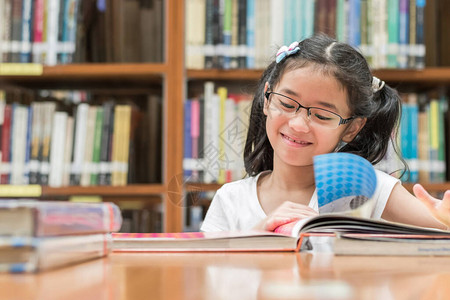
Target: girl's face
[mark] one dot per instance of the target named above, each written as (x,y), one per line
(294,138)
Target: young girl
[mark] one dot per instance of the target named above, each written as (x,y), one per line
(319,96)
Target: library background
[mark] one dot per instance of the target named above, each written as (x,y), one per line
(145,103)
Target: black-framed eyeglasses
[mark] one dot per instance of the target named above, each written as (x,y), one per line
(319,116)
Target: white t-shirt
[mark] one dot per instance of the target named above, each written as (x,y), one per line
(236,206)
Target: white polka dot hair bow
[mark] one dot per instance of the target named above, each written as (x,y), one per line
(284,51)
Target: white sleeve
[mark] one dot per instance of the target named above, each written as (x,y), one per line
(385,184)
(217,218)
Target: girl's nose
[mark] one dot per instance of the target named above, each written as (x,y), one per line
(300,121)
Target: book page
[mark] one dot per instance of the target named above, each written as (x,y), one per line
(345,184)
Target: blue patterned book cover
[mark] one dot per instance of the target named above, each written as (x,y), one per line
(345,184)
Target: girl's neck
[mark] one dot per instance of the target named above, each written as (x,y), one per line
(292,179)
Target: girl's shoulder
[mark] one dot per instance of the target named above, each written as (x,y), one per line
(241,186)
(385,178)
(241,183)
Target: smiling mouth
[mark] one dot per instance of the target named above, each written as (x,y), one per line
(295,141)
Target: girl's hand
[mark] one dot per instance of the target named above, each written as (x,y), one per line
(286,213)
(440,209)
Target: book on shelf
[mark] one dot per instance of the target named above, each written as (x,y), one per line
(78,151)
(50,218)
(216,124)
(341,210)
(33,254)
(242,34)
(57,149)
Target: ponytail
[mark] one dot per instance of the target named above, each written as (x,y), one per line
(381,128)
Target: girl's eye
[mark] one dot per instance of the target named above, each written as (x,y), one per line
(287,105)
(321,117)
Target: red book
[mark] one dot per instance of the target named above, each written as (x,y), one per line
(6,146)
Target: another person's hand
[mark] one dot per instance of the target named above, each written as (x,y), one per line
(440,209)
(286,213)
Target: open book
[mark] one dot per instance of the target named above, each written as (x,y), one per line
(345,184)
(290,237)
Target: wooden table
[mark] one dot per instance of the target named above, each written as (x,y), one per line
(237,276)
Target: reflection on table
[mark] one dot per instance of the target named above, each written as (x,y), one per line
(237,276)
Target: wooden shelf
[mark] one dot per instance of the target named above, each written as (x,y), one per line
(229,75)
(427,75)
(129,190)
(86,76)
(201,187)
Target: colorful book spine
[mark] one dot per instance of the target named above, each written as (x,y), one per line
(2,119)
(412,33)
(18,141)
(403,34)
(6,146)
(341,21)
(48,111)
(68,148)
(195,135)
(354,33)
(25,49)
(223,95)
(209,34)
(36,138)
(38,31)
(87,160)
(53,7)
(208,137)
(187,152)
(393,31)
(242,33)
(26,173)
(443,107)
(79,143)
(126,127)
(250,62)
(226,31)
(16,30)
(57,149)
(413,137)
(419,51)
(97,146)
(105,159)
(404,135)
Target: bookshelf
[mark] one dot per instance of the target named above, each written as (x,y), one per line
(421,78)
(167,76)
(172,77)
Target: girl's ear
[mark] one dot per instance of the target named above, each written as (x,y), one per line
(352,130)
(266,101)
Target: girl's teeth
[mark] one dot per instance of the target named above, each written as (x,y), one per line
(292,140)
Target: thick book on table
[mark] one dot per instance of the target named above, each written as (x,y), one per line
(32,254)
(25,217)
(392,244)
(295,236)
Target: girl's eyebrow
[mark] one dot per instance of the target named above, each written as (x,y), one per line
(293,94)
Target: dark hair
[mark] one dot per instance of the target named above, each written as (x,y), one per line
(382,108)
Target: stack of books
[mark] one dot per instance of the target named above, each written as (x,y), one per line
(40,235)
